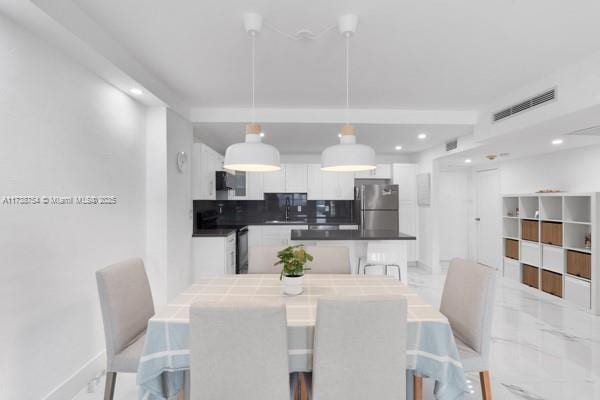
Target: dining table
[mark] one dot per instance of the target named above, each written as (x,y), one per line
(431,351)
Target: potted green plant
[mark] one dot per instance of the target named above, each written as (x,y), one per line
(293,260)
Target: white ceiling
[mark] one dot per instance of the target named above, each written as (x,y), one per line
(294,138)
(418,54)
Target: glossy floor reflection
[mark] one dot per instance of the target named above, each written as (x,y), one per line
(543,348)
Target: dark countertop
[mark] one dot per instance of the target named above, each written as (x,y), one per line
(309,221)
(303,234)
(217,232)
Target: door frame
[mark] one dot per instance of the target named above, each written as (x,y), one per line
(496,215)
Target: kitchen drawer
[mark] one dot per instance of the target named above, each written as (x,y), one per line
(348,227)
(511,248)
(552,233)
(578,291)
(552,283)
(579,264)
(512,269)
(531,276)
(530,230)
(553,259)
(530,253)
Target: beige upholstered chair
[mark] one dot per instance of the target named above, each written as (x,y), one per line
(239,350)
(327,260)
(126,302)
(467,302)
(262,258)
(360,349)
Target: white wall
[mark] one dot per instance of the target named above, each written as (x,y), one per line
(64,132)
(179,205)
(573,170)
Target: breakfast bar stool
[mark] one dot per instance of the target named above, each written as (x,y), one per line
(383,255)
(126,303)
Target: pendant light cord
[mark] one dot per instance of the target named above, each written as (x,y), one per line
(347,78)
(253,77)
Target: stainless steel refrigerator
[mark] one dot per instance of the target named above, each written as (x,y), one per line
(377,206)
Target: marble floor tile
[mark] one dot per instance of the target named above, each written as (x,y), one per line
(542,348)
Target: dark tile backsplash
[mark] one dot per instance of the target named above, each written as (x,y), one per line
(237,212)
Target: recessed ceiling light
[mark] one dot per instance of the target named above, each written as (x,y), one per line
(339,135)
(136,91)
(422,136)
(262,134)
(468,161)
(398,147)
(556,142)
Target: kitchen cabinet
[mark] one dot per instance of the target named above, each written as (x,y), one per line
(296,179)
(274,182)
(271,235)
(383,171)
(205,162)
(315,182)
(213,256)
(323,185)
(254,187)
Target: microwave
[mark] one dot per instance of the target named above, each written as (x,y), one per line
(224,180)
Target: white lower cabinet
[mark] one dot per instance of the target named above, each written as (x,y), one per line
(512,269)
(578,291)
(213,256)
(530,253)
(553,259)
(271,235)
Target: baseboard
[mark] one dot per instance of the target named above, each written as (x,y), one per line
(73,384)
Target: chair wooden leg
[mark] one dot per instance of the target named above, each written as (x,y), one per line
(417,388)
(486,385)
(109,387)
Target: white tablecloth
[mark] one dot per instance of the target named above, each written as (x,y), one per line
(431,350)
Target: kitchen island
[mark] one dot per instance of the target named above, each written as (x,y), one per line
(356,241)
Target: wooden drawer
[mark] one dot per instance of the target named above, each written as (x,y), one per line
(530,276)
(579,264)
(578,291)
(553,259)
(552,283)
(511,248)
(530,230)
(512,269)
(552,233)
(530,253)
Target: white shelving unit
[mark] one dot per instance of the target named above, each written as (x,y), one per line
(562,262)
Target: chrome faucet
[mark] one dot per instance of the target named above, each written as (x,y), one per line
(287,208)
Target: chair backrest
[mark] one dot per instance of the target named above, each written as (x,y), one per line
(329,260)
(239,351)
(126,303)
(360,348)
(467,302)
(383,252)
(262,258)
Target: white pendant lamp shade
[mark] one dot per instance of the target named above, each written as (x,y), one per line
(348,156)
(252,155)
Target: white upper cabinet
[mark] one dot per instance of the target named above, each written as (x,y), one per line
(254,186)
(205,162)
(296,178)
(274,182)
(383,171)
(315,182)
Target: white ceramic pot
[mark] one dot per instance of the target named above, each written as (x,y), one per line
(292,285)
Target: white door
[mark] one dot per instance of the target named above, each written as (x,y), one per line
(488,217)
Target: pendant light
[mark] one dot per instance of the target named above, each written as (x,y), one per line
(252,154)
(348,156)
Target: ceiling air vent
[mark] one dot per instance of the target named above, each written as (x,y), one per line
(591,131)
(452,145)
(535,101)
